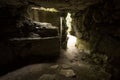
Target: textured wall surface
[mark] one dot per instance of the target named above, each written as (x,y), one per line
(99,25)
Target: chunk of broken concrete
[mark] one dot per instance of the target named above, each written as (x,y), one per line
(65,66)
(54,66)
(67,72)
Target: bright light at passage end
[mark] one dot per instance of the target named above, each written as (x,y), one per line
(72,39)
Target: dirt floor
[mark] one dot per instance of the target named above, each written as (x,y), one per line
(69,66)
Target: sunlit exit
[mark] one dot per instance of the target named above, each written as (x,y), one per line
(71,49)
(68,22)
(72,39)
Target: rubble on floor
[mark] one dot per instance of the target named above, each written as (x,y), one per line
(67,72)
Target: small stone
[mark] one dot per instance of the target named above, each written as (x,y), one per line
(65,66)
(48,77)
(54,66)
(67,73)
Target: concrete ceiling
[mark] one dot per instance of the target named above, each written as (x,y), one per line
(58,4)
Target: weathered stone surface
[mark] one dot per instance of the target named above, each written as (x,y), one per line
(98,26)
(15,28)
(67,72)
(61,5)
(48,77)
(65,66)
(35,46)
(45,16)
(54,66)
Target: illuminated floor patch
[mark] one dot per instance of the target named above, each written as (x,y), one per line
(71,49)
(71,41)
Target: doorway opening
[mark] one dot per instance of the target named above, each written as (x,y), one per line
(71,49)
(71,39)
